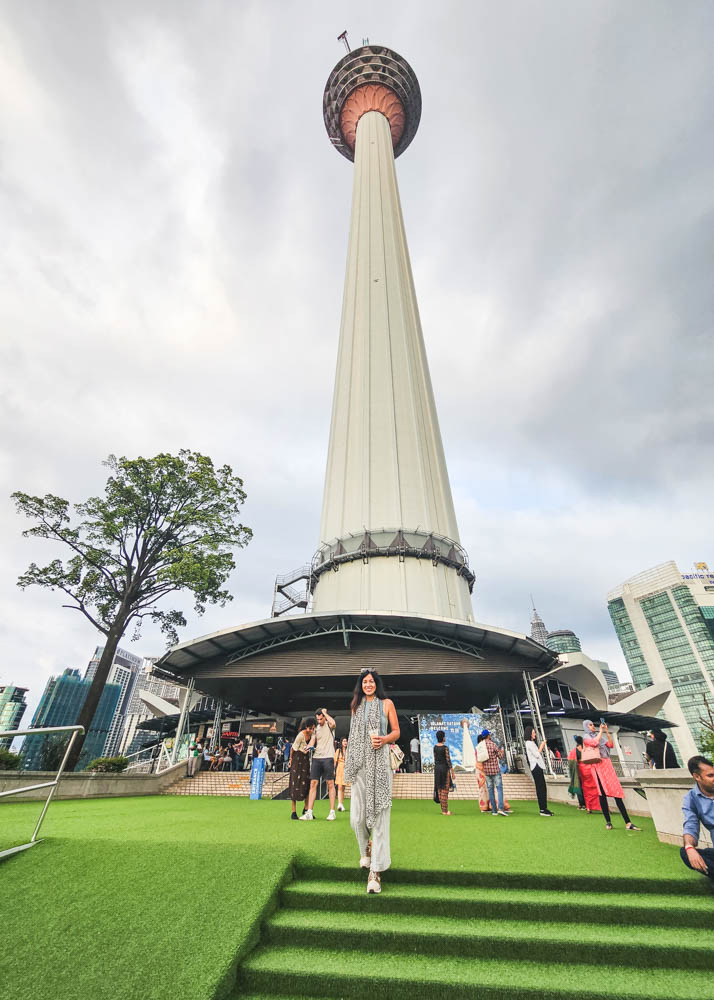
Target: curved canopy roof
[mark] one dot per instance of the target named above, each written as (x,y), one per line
(239,642)
(289,665)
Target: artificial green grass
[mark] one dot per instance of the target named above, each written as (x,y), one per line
(336,972)
(375,930)
(159,897)
(614,907)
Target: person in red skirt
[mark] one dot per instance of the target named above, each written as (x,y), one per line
(604,773)
(587,793)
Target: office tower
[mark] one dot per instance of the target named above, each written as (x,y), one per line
(611,678)
(60,705)
(12,709)
(664,621)
(538,630)
(124,671)
(563,641)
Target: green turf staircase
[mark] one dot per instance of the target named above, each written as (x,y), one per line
(485,935)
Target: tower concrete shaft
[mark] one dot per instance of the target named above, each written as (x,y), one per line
(389,538)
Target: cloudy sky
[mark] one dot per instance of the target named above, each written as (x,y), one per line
(174,234)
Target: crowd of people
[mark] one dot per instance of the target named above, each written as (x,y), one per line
(236,755)
(366,760)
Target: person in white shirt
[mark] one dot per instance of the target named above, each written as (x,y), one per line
(415,751)
(323,762)
(536,763)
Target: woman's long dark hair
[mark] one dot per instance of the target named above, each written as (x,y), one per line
(358,693)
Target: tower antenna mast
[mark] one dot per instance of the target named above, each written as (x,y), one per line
(343,38)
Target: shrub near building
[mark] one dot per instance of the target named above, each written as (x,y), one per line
(9,761)
(108,765)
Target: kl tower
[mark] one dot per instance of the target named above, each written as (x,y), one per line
(389,586)
(389,538)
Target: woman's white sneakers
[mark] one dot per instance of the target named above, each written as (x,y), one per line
(340,807)
(331,814)
(365,862)
(374,884)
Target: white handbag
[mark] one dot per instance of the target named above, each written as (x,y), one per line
(396,756)
(481,752)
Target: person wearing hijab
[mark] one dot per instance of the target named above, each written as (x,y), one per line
(660,753)
(604,773)
(584,785)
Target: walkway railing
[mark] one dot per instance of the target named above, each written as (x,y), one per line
(153,760)
(52,785)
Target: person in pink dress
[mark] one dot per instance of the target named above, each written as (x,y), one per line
(588,785)
(604,773)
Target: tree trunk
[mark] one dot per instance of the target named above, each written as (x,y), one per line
(89,707)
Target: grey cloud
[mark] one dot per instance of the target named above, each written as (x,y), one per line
(176,233)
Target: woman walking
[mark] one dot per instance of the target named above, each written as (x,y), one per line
(340,753)
(373,727)
(536,763)
(299,781)
(443,773)
(604,773)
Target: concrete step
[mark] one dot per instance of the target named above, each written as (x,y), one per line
(406,786)
(226,783)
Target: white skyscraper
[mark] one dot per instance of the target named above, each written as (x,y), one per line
(664,620)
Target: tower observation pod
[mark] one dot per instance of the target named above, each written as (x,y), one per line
(388,534)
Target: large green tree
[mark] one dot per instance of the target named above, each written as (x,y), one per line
(164,524)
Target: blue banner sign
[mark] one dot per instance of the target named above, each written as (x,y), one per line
(257,774)
(461,733)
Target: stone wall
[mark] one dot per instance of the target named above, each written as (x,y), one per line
(665,791)
(88,785)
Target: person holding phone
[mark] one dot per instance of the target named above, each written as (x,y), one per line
(604,773)
(536,763)
(374,726)
(323,762)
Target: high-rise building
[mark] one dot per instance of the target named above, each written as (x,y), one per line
(538,630)
(664,621)
(12,709)
(611,678)
(563,640)
(124,671)
(151,696)
(60,705)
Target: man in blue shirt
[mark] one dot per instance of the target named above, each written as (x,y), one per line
(698,808)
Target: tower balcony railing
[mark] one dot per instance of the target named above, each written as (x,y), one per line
(399,543)
(52,785)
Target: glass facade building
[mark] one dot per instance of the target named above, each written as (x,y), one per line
(664,621)
(564,641)
(60,705)
(12,709)
(124,671)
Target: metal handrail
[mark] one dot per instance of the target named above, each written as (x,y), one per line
(52,785)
